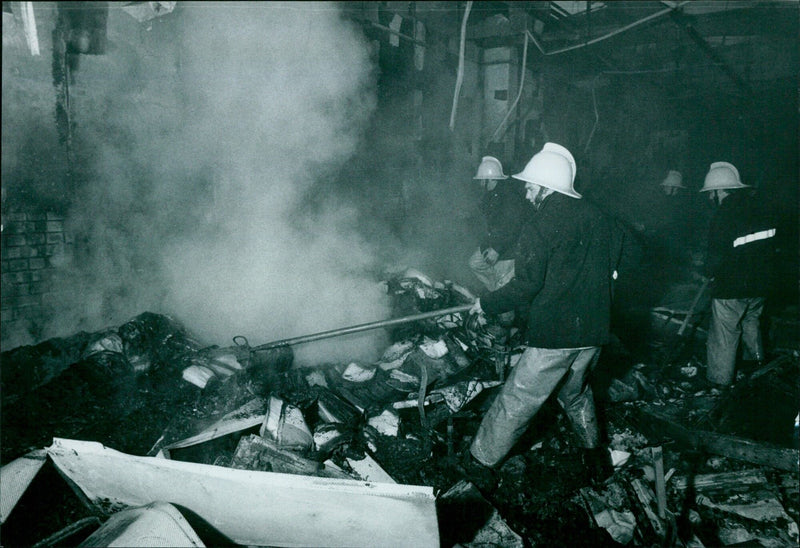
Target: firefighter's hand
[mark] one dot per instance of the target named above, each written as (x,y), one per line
(697,277)
(476,307)
(490,255)
(478,312)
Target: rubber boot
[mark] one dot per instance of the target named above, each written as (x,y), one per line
(597,465)
(483,477)
(748,367)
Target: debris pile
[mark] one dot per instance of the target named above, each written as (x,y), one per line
(692,466)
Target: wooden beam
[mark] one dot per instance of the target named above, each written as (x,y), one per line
(644,499)
(723,481)
(713,54)
(256,453)
(661,491)
(722,444)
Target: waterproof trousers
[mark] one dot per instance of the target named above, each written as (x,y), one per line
(539,372)
(730,320)
(492,276)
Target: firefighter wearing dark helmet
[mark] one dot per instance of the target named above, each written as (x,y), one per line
(564,273)
(739,262)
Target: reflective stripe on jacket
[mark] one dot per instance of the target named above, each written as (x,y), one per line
(741,248)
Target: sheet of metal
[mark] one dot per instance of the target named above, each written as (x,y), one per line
(257,508)
(157,524)
(15,477)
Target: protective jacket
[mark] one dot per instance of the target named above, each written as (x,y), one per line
(504,209)
(564,264)
(741,248)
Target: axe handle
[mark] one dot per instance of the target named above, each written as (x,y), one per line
(694,305)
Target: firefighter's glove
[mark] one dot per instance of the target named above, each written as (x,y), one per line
(477,313)
(490,256)
(698,277)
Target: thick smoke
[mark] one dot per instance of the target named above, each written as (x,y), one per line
(201,158)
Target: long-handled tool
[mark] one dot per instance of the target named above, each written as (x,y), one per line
(361,327)
(692,308)
(679,342)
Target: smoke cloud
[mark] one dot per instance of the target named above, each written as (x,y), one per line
(201,154)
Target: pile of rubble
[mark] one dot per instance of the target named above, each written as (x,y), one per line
(237,445)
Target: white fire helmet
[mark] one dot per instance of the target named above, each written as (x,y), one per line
(673,179)
(722,176)
(553,167)
(490,168)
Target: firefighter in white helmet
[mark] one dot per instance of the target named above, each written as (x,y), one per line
(668,215)
(503,207)
(564,272)
(672,183)
(741,252)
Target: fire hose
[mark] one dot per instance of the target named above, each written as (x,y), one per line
(366,327)
(361,327)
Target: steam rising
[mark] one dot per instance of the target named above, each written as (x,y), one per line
(200,162)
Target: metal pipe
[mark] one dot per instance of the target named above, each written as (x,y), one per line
(606,36)
(519,92)
(398,33)
(29,25)
(596,114)
(460,74)
(362,327)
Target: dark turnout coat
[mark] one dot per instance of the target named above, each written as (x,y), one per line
(741,248)
(564,266)
(504,209)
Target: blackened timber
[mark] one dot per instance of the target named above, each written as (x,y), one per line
(777,363)
(722,444)
(257,453)
(701,42)
(723,481)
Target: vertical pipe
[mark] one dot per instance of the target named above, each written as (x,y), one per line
(460,75)
(29,24)
(596,115)
(519,92)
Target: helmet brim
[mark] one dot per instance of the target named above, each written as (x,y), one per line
(566,192)
(709,189)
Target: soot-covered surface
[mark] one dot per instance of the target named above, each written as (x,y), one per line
(124,388)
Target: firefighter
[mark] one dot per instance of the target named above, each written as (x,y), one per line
(739,262)
(672,183)
(503,207)
(667,220)
(564,270)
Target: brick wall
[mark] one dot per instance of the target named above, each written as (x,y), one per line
(31,242)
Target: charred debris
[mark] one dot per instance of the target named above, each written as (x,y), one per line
(692,466)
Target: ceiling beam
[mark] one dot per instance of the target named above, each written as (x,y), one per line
(683,22)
